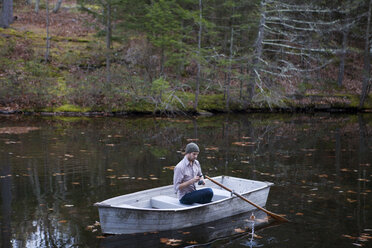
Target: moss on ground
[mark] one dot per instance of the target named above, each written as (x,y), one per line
(140,106)
(70,108)
(213,103)
(355,101)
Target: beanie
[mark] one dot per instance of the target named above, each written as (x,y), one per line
(191,147)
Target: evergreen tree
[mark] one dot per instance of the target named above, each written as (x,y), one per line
(166,30)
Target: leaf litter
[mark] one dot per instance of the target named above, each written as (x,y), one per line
(17,130)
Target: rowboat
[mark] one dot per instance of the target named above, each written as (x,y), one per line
(159,209)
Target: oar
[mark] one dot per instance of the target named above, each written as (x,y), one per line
(275,216)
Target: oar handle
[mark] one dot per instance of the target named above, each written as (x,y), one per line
(275,216)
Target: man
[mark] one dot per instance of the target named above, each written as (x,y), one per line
(186,174)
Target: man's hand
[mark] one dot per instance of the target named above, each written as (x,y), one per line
(196,179)
(191,181)
(201,181)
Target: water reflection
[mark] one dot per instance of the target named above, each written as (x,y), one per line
(54,169)
(6,200)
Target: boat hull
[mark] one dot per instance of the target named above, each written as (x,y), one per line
(201,234)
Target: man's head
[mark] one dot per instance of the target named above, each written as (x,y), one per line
(192,151)
(192,147)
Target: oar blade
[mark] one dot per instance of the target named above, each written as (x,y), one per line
(279,218)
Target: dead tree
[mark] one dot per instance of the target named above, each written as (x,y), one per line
(37,6)
(108,42)
(290,42)
(47,50)
(58,6)
(6,14)
(197,90)
(366,86)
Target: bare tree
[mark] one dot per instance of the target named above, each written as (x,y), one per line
(349,20)
(196,102)
(229,75)
(108,42)
(6,14)
(341,69)
(47,50)
(258,52)
(291,41)
(366,87)
(58,6)
(37,6)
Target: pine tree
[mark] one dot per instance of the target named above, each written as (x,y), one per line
(165,29)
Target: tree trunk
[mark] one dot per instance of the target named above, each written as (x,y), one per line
(343,56)
(58,5)
(37,3)
(10,12)
(47,32)
(230,65)
(241,83)
(108,43)
(345,32)
(198,58)
(258,52)
(180,65)
(162,61)
(6,14)
(367,63)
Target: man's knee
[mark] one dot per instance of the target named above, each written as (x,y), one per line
(209,192)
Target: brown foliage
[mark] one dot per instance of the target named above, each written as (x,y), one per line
(63,23)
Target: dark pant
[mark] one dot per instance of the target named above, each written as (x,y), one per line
(198,196)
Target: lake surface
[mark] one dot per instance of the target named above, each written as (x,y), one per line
(52,171)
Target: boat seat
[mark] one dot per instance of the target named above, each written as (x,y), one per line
(168,202)
(219,194)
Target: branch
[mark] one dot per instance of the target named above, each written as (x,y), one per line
(302,10)
(333,51)
(292,27)
(275,74)
(302,22)
(291,53)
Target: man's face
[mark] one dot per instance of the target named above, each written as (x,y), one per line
(192,156)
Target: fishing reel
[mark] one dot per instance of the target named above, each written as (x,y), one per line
(201,181)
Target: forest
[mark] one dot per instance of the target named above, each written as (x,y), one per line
(184,56)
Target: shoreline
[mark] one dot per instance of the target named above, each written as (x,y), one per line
(208,105)
(297,110)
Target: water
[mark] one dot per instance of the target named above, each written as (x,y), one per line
(53,173)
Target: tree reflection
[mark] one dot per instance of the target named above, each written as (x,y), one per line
(6,201)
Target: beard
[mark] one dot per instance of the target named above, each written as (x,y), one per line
(191,158)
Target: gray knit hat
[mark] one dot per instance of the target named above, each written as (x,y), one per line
(191,147)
